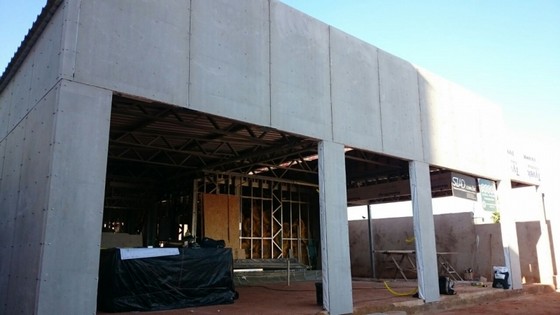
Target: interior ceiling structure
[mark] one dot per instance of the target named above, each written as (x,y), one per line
(152,140)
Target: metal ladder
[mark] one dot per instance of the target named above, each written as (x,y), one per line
(448,268)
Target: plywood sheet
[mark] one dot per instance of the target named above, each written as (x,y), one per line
(221,218)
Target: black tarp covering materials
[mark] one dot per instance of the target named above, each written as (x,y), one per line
(194,277)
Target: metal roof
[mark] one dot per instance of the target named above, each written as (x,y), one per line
(29,40)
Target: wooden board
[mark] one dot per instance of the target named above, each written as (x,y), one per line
(221,218)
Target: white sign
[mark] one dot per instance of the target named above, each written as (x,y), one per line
(135,253)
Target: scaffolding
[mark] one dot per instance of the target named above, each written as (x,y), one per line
(276,216)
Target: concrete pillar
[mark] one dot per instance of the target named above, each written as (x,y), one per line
(335,249)
(544,253)
(509,233)
(424,232)
(551,207)
(74,210)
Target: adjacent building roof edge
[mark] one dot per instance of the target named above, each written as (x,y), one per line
(27,44)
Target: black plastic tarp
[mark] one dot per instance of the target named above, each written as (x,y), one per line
(195,277)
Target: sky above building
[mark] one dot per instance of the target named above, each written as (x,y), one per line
(505,51)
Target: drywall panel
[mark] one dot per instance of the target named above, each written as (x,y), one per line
(300,73)
(461,130)
(400,110)
(137,47)
(45,56)
(75,201)
(230,59)
(355,92)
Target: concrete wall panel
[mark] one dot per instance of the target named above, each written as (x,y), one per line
(453,233)
(138,47)
(31,205)
(12,171)
(400,110)
(9,192)
(5,106)
(300,73)
(46,58)
(21,96)
(6,233)
(437,125)
(28,204)
(230,60)
(37,74)
(75,202)
(461,130)
(355,92)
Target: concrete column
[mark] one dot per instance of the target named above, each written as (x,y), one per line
(424,232)
(335,250)
(509,233)
(544,253)
(551,207)
(67,282)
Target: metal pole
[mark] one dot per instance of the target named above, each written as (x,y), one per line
(370,238)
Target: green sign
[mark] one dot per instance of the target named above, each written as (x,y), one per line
(487,194)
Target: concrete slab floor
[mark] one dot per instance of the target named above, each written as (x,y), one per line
(369,296)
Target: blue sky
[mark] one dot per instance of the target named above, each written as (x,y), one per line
(505,51)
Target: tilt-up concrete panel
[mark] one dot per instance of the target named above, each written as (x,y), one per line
(135,47)
(31,205)
(335,253)
(9,193)
(75,201)
(5,106)
(400,108)
(439,130)
(424,231)
(230,59)
(300,73)
(461,130)
(12,171)
(21,97)
(355,92)
(45,56)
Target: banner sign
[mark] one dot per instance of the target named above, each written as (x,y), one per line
(449,183)
(463,186)
(524,167)
(487,194)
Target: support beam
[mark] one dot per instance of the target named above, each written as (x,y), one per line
(335,252)
(424,232)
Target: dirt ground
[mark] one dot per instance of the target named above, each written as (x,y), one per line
(534,304)
(371,297)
